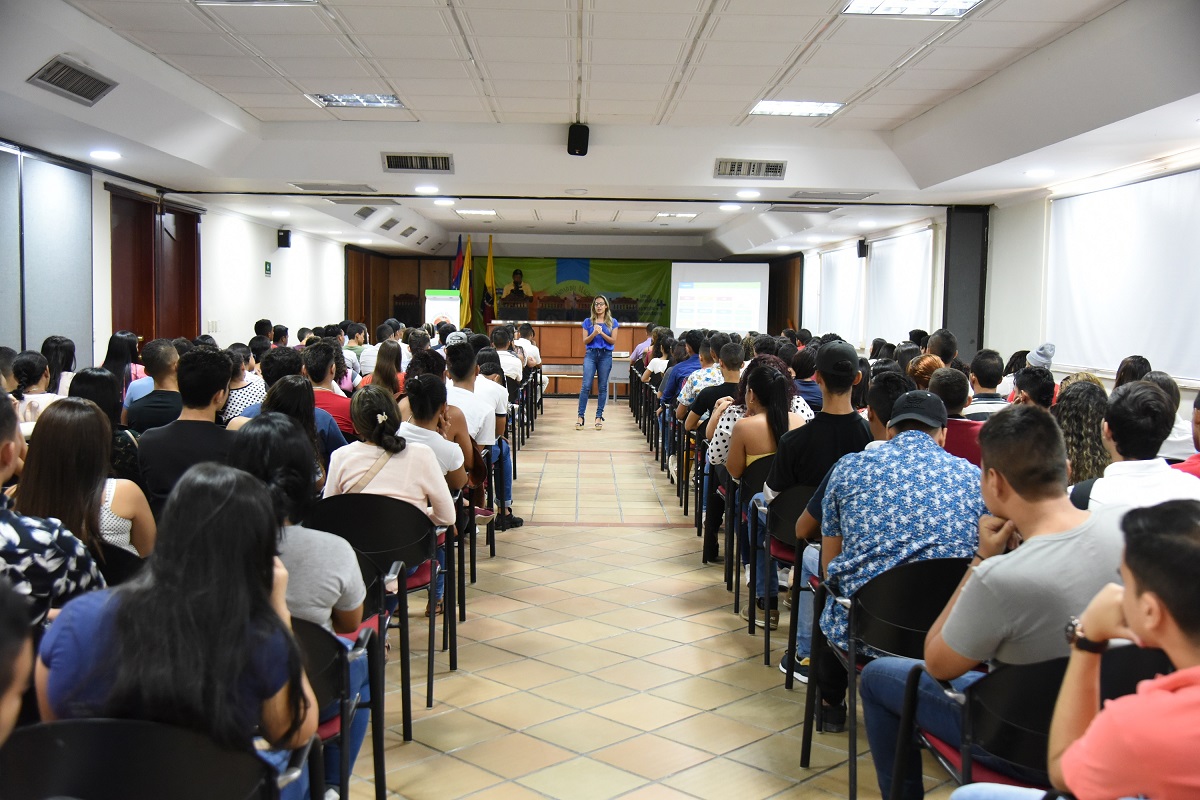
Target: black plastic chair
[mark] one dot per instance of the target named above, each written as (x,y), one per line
(892,613)
(111,759)
(750,484)
(117,564)
(327,663)
(782,513)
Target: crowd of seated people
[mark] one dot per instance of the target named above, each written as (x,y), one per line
(209,459)
(1028,477)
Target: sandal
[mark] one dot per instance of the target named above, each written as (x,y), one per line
(599,423)
(579,425)
(437,611)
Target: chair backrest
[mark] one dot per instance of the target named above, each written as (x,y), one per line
(117,564)
(753,478)
(382,530)
(785,509)
(896,608)
(109,759)
(322,653)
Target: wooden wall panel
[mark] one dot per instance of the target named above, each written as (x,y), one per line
(356,284)
(132,224)
(379,298)
(177,278)
(555,343)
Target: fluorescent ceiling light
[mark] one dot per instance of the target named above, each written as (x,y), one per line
(729,207)
(1039,174)
(281,214)
(576,192)
(748,194)
(256,2)
(105,155)
(364,241)
(911,8)
(666,214)
(783,248)
(355,100)
(426,188)
(477,212)
(795,108)
(443,201)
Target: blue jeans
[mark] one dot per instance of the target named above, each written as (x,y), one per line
(810,565)
(360,682)
(502,455)
(278,759)
(882,694)
(596,362)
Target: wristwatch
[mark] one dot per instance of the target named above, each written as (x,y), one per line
(1077,638)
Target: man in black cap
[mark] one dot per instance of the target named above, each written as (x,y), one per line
(908,500)
(805,454)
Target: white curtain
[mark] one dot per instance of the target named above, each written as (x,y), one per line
(899,286)
(842,295)
(1124,276)
(810,303)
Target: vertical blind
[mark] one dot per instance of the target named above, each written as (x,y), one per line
(841,294)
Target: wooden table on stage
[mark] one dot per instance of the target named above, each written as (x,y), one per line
(561,344)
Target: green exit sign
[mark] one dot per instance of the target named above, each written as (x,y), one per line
(267,268)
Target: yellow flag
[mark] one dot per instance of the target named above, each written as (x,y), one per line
(489,282)
(464,288)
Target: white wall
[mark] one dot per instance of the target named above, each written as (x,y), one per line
(1016,278)
(101,272)
(306,286)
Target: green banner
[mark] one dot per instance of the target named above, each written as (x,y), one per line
(563,288)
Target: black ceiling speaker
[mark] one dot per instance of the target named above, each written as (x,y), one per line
(577,139)
(285,238)
(862,248)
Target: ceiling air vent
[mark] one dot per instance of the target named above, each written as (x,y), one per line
(836,197)
(391,223)
(67,77)
(407,232)
(742,168)
(422,240)
(348,188)
(418,162)
(364,212)
(349,200)
(804,209)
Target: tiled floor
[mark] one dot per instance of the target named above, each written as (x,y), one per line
(600,659)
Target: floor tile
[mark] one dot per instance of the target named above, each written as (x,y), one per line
(582,779)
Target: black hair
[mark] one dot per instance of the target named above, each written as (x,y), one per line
(182,345)
(293,395)
(773,362)
(275,449)
(765,345)
(7,354)
(444,329)
(952,386)
(60,357)
(394,324)
(302,334)
(770,386)
(203,372)
(239,350)
(279,362)
(101,387)
(877,345)
(318,360)
(260,346)
(943,344)
(28,368)
(885,390)
(501,338)
(883,365)
(858,392)
(516,272)
(192,623)
(787,351)
(1140,419)
(425,362)
(804,364)
(426,394)
(344,325)
(1038,383)
(8,418)
(803,337)
(479,341)
(693,339)
(279,334)
(1132,368)
(988,368)
(376,418)
(731,356)
(487,355)
(1162,551)
(460,361)
(157,356)
(1165,382)
(906,352)
(354,329)
(789,334)
(418,340)
(1017,361)
(918,335)
(263,327)
(204,340)
(526,329)
(383,332)
(888,351)
(15,631)
(491,368)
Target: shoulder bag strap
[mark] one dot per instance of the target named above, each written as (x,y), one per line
(370,474)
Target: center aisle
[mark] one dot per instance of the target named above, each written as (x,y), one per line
(600,659)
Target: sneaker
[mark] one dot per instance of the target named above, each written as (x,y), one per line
(484,515)
(746,575)
(833,718)
(511,521)
(772,614)
(673,467)
(799,672)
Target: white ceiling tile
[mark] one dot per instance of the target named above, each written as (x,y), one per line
(1041,11)
(374,114)
(747,53)
(400,21)
(868,30)
(727,108)
(642,7)
(640,26)
(519,5)
(539,105)
(613,51)
(812,8)
(555,89)
(186,44)
(414,68)
(428,86)
(556,213)
(539,118)
(821,94)
(853,55)
(895,96)
(596,214)
(636,215)
(328,46)
(150,17)
(214,65)
(414,47)
(263,85)
(940,79)
(865,124)
(744,75)
(312,113)
(518,23)
(261,19)
(456,116)
(835,76)
(984,33)
(985,58)
(699,121)
(625,91)
(648,107)
(710,91)
(512,71)
(293,100)
(511,48)
(868,110)
(619,119)
(749,28)
(356,85)
(630,73)
(322,67)
(423,103)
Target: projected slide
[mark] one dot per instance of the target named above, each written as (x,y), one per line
(724,297)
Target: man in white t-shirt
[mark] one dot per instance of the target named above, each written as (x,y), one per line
(489,387)
(370,352)
(511,362)
(533,353)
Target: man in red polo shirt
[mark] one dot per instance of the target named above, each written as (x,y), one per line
(318,366)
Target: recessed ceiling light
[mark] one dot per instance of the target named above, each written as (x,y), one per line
(576,192)
(426,189)
(729,207)
(443,201)
(748,194)
(477,212)
(795,108)
(281,214)
(105,155)
(783,248)
(364,241)
(911,8)
(667,214)
(355,100)
(1038,174)
(866,223)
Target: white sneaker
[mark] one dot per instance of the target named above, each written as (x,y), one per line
(746,574)
(784,576)
(673,467)
(332,794)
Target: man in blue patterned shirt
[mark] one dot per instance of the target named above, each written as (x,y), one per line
(908,500)
(42,560)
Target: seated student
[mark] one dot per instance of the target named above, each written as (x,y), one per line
(930,511)
(370,352)
(279,336)
(728,410)
(163,403)
(450,424)
(659,356)
(1178,445)
(511,362)
(325,584)
(804,365)
(278,364)
(1143,744)
(921,369)
(1131,368)
(1080,414)
(122,359)
(7,381)
(962,435)
(59,352)
(39,557)
(708,375)
(671,385)
(1034,385)
(32,373)
(987,370)
(1192,465)
(429,424)
(1138,420)
(243,389)
(66,477)
(943,344)
(263,327)
(489,388)
(16,656)
(356,339)
(200,639)
(642,346)
(387,369)
(260,346)
(1039,558)
(103,388)
(165,453)
(730,364)
(319,365)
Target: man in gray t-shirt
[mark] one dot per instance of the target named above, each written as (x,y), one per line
(1040,560)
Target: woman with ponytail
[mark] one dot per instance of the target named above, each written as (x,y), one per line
(429,424)
(31,371)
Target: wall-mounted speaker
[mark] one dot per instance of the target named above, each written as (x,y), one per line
(284,238)
(577,139)
(862,248)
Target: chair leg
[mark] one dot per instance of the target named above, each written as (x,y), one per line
(904,742)
(432,638)
(348,711)
(751,524)
(462,576)
(737,554)
(851,714)
(405,668)
(812,694)
(794,617)
(316,771)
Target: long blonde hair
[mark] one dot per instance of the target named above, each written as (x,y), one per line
(608,320)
